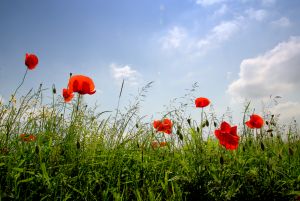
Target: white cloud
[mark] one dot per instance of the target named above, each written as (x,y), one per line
(220,33)
(287,111)
(221,11)
(282,22)
(276,72)
(181,41)
(209,2)
(174,38)
(268,2)
(258,15)
(125,72)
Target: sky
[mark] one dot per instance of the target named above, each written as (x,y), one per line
(235,50)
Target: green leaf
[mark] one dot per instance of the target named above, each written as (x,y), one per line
(26,180)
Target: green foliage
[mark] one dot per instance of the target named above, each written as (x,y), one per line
(79,154)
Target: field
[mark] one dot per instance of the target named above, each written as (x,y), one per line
(68,151)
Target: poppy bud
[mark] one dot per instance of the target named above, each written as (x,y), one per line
(37,150)
(78,144)
(53,89)
(262,146)
(291,152)
(221,160)
(206,123)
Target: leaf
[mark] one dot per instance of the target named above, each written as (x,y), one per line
(26,180)
(18,169)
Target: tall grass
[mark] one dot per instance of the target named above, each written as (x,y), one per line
(81,154)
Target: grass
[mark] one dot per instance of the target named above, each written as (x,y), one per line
(80,154)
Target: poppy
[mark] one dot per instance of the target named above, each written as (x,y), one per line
(202,102)
(163,144)
(154,144)
(227,136)
(68,95)
(31,61)
(27,137)
(163,126)
(255,121)
(81,84)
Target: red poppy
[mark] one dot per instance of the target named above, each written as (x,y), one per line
(163,126)
(31,61)
(202,102)
(255,121)
(68,95)
(27,137)
(227,136)
(81,84)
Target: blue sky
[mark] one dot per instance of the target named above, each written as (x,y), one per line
(234,49)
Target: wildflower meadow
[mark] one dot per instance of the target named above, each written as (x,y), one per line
(67,150)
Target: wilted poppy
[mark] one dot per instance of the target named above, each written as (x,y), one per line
(255,121)
(68,95)
(81,84)
(154,144)
(27,137)
(202,102)
(227,136)
(31,61)
(163,126)
(162,144)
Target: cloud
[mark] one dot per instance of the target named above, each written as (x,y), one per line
(125,72)
(174,38)
(287,111)
(276,72)
(179,39)
(258,15)
(268,2)
(221,11)
(209,2)
(220,33)
(282,22)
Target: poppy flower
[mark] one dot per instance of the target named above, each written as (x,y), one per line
(81,84)
(255,121)
(227,136)
(68,95)
(27,137)
(163,126)
(163,144)
(154,144)
(202,102)
(31,61)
